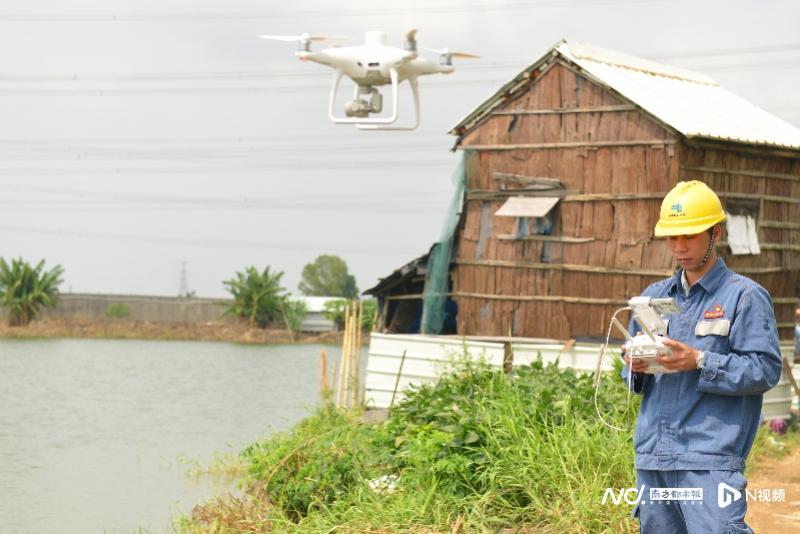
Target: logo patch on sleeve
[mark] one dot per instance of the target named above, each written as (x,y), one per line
(716,313)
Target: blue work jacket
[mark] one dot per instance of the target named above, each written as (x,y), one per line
(706,419)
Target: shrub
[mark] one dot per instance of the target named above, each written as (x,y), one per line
(26,289)
(294,313)
(117,311)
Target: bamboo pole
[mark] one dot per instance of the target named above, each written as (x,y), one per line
(770,198)
(521,298)
(541,298)
(578,144)
(546,238)
(342,365)
(780,224)
(397,379)
(359,345)
(323,372)
(346,358)
(741,172)
(563,267)
(557,111)
(357,316)
(335,383)
(566,195)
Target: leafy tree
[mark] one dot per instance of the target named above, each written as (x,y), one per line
(327,276)
(25,289)
(258,297)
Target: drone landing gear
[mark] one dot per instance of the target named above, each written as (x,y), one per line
(359,109)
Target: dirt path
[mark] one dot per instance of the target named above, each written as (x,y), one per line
(776,516)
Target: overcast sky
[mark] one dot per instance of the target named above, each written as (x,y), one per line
(137,135)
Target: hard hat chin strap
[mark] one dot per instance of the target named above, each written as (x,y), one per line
(710,246)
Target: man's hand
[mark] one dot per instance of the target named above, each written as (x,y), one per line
(683,357)
(638,366)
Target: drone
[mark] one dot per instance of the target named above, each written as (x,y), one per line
(372,65)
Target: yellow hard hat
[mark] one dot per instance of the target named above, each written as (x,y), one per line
(689,209)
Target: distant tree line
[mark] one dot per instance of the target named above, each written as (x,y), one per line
(258,296)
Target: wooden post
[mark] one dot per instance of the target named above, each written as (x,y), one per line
(508,358)
(335,383)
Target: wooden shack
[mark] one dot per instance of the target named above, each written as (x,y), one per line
(566,167)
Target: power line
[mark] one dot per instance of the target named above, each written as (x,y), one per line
(116,195)
(325,13)
(370,166)
(725,51)
(309,88)
(286,136)
(212,91)
(252,75)
(199,242)
(388,201)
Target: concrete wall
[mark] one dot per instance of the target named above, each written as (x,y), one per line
(90,307)
(141,308)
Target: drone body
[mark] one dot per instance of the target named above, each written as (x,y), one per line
(372,65)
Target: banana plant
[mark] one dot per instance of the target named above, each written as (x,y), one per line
(24,290)
(257,296)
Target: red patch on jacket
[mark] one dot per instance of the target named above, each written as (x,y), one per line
(716,313)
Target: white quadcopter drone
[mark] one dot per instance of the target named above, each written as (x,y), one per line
(370,65)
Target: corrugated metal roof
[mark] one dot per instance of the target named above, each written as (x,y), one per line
(689,102)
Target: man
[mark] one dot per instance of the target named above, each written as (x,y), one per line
(696,425)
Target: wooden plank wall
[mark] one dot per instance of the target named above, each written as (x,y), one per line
(616,164)
(758,173)
(611,150)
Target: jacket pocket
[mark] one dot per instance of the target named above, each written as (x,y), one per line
(717,327)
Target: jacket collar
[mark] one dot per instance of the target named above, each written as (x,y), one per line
(709,281)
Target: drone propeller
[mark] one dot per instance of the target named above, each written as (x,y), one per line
(306,37)
(446,52)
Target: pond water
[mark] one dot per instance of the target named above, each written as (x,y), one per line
(95,434)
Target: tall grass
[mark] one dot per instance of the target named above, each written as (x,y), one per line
(479,451)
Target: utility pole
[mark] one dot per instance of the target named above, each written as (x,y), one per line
(183,290)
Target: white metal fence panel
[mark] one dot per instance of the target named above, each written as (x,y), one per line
(427,357)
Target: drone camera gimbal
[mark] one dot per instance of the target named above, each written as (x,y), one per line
(359,107)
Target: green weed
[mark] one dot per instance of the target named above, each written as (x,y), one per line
(477,451)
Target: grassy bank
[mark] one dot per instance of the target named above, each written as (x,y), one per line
(478,451)
(126,329)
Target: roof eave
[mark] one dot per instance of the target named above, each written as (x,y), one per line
(509,89)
